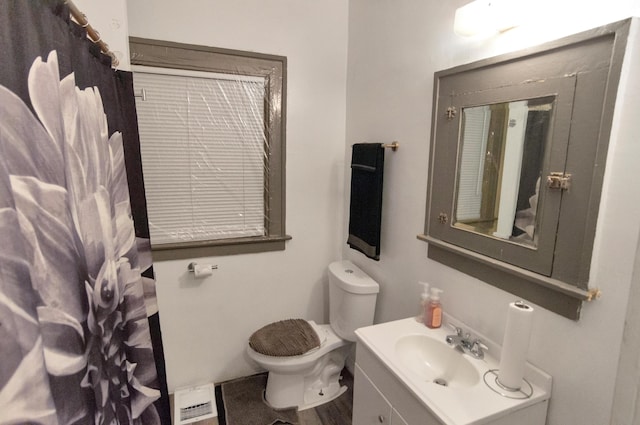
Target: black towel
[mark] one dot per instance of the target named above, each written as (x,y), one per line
(365,212)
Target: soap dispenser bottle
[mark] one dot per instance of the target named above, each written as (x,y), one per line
(434,310)
(424,303)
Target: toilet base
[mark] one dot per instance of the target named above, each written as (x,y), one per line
(306,390)
(282,394)
(317,398)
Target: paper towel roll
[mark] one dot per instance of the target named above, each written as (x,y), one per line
(515,345)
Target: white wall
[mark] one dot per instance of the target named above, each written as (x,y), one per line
(206,325)
(394,49)
(626,404)
(626,407)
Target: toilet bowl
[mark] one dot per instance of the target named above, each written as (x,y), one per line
(312,378)
(309,379)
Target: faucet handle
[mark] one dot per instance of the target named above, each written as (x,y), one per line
(456,329)
(478,349)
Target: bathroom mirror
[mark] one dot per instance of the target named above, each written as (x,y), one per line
(518,147)
(498,180)
(485,179)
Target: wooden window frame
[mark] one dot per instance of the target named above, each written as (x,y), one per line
(165,54)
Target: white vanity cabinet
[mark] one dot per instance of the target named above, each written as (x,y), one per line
(380,398)
(372,407)
(396,419)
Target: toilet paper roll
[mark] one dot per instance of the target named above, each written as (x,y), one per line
(202,271)
(515,345)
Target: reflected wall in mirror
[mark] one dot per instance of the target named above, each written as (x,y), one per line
(501,155)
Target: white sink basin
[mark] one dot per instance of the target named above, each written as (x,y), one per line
(451,384)
(436,362)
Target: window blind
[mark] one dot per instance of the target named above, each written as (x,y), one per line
(202,138)
(476,127)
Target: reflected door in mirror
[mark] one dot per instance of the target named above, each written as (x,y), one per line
(501,155)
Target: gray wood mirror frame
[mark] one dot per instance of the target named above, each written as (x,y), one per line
(518,149)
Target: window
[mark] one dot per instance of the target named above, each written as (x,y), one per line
(211,125)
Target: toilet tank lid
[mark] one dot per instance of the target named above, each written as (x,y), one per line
(351,278)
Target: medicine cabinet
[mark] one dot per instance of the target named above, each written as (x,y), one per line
(518,150)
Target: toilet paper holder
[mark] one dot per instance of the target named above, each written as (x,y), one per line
(192,266)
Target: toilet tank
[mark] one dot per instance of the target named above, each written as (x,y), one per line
(352,298)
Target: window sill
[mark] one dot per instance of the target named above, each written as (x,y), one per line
(252,245)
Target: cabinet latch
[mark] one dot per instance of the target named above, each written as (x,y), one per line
(451,112)
(559,180)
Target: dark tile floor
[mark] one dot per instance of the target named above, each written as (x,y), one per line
(335,412)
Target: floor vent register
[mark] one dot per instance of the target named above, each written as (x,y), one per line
(194,404)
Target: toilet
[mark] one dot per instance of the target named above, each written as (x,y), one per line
(310,378)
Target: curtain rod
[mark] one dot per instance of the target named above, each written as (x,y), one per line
(94,35)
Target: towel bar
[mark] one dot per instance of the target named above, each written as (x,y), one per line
(394,146)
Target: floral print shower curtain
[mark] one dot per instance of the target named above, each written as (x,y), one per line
(79,329)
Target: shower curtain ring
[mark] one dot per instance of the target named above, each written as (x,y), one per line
(99,37)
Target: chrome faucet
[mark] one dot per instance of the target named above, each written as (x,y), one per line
(475,348)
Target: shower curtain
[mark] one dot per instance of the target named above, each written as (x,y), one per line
(79,328)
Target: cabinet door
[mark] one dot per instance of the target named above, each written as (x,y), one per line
(511,133)
(396,419)
(369,405)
